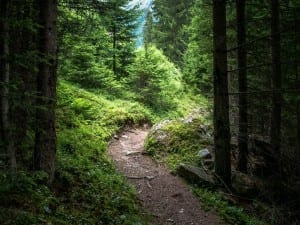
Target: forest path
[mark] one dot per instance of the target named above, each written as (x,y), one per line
(164,196)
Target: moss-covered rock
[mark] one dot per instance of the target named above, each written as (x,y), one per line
(176,141)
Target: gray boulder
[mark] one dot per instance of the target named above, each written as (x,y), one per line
(195,175)
(204,154)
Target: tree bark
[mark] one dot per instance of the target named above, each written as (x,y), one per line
(275,132)
(221,102)
(242,75)
(5,79)
(22,105)
(45,140)
(298,131)
(2,71)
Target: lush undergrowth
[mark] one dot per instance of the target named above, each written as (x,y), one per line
(87,189)
(230,213)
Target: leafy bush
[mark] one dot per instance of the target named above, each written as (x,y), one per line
(83,67)
(155,80)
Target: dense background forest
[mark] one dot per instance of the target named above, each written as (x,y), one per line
(75,72)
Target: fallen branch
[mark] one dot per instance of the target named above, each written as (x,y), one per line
(144,177)
(133,153)
(130,131)
(148,184)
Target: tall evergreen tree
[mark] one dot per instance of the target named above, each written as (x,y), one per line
(242,76)
(168,33)
(221,105)
(197,68)
(45,141)
(5,70)
(275,135)
(120,22)
(148,30)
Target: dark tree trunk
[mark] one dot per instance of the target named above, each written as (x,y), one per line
(2,70)
(275,132)
(23,77)
(298,131)
(242,75)
(221,105)
(5,79)
(45,141)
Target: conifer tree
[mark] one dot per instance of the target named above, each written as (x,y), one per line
(5,70)
(275,135)
(168,33)
(45,140)
(221,105)
(242,77)
(120,22)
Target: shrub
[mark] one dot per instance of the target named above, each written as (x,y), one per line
(155,80)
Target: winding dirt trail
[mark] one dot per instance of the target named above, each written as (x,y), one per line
(162,195)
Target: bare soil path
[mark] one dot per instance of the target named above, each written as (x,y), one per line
(164,196)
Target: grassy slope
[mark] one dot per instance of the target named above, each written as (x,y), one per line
(87,189)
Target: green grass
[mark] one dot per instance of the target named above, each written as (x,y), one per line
(230,213)
(87,188)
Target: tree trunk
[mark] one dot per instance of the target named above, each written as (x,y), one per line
(275,132)
(22,107)
(5,79)
(2,71)
(221,102)
(298,131)
(242,75)
(45,140)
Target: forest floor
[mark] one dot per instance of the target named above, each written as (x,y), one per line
(164,196)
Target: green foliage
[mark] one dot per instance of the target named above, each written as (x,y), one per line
(87,189)
(229,212)
(121,21)
(25,199)
(84,68)
(197,67)
(83,55)
(157,83)
(166,30)
(96,48)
